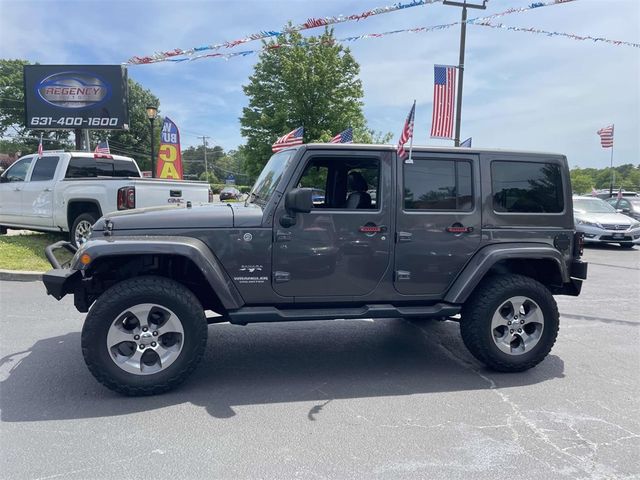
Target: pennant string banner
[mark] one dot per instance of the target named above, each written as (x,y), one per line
(480,21)
(310,23)
(485,23)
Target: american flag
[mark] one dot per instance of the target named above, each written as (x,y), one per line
(40,147)
(619,193)
(606,136)
(407,132)
(444,82)
(289,140)
(103,147)
(345,136)
(594,193)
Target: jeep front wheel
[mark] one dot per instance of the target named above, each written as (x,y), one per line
(144,336)
(510,323)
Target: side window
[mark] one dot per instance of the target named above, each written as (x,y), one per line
(526,187)
(18,171)
(435,184)
(343,183)
(623,204)
(81,167)
(315,177)
(44,169)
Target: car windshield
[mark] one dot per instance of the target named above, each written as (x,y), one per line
(270,177)
(592,205)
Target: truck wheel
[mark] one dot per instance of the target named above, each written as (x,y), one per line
(144,336)
(81,228)
(510,323)
(3,230)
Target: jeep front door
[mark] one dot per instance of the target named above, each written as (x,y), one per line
(342,247)
(438,221)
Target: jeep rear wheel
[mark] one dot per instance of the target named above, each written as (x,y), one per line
(510,323)
(144,336)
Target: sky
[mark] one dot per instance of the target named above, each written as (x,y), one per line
(521,91)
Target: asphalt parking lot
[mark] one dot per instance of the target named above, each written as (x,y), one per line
(341,399)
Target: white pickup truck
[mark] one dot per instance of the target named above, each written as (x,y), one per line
(69,191)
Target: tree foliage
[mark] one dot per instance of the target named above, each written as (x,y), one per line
(626,176)
(313,84)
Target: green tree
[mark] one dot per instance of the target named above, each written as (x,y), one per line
(313,84)
(193,159)
(135,142)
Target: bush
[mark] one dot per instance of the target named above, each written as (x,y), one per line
(217,187)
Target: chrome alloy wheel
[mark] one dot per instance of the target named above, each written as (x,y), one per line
(82,231)
(145,339)
(517,325)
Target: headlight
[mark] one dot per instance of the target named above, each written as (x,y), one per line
(634,225)
(580,221)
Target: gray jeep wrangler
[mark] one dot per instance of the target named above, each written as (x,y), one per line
(333,231)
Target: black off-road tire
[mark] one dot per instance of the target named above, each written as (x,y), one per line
(627,245)
(477,313)
(3,230)
(135,291)
(80,219)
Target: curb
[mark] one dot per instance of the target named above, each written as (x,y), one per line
(20,276)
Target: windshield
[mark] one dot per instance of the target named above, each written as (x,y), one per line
(270,177)
(592,205)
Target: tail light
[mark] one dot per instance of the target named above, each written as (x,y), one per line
(210,196)
(578,244)
(126,198)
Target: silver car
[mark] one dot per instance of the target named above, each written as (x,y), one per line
(600,223)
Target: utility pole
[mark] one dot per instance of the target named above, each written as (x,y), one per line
(463,37)
(206,165)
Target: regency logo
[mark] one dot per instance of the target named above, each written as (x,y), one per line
(73,90)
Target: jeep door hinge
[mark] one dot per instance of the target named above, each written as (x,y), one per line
(403,275)
(403,237)
(281,277)
(283,236)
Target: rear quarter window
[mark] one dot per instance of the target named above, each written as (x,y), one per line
(526,187)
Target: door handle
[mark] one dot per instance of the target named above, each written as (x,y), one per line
(47,190)
(404,237)
(370,228)
(457,228)
(17,189)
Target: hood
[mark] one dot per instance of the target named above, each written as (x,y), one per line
(602,218)
(180,217)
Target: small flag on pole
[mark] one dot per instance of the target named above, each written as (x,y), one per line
(620,193)
(407,132)
(444,82)
(345,136)
(289,140)
(606,136)
(466,143)
(40,147)
(594,193)
(103,147)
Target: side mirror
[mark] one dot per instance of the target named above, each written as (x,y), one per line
(297,200)
(3,179)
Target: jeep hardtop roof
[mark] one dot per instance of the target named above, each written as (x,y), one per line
(416,148)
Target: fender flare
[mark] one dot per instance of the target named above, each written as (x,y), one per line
(191,248)
(488,256)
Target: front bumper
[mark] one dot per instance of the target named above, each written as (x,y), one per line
(60,281)
(600,235)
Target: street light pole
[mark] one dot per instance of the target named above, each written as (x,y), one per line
(463,37)
(152,113)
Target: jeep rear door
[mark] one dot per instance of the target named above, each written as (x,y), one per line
(438,225)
